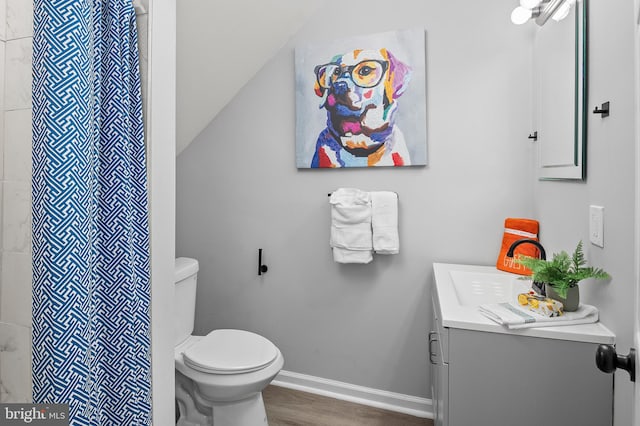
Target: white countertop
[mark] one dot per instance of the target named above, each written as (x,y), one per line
(453,314)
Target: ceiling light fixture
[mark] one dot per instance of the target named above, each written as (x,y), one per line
(541,11)
(521,15)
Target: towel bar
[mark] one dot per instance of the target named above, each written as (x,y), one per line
(329,194)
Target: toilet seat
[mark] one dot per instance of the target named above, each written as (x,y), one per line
(230,352)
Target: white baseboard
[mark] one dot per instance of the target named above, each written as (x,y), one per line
(407,404)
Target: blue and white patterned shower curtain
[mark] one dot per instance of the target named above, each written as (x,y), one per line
(91,295)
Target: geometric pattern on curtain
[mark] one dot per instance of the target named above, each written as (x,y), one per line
(91,285)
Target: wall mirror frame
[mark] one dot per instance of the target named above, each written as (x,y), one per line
(560,96)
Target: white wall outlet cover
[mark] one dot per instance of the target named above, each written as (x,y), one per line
(596,225)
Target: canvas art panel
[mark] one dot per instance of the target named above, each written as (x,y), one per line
(361,101)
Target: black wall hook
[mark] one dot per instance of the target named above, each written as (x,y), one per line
(603,111)
(533,136)
(261,268)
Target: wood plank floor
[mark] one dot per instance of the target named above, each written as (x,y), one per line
(287,407)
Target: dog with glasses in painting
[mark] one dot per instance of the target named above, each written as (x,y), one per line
(359,91)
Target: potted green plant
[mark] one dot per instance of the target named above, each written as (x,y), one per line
(562,274)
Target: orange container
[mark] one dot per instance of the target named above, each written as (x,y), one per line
(516,229)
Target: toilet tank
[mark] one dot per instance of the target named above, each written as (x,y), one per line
(186,273)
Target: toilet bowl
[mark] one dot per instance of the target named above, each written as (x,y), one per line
(220,376)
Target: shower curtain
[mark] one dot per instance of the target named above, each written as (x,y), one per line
(91,295)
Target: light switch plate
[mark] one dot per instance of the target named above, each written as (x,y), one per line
(596,225)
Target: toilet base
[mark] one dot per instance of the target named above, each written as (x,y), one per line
(198,412)
(248,412)
(190,412)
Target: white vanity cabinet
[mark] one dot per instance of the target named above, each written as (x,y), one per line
(487,375)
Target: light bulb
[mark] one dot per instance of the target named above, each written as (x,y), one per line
(530,4)
(520,15)
(562,12)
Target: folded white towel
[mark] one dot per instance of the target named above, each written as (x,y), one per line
(351,237)
(384,222)
(515,317)
(341,255)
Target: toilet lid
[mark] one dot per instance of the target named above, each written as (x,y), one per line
(230,352)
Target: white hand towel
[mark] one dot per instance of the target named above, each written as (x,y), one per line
(384,221)
(341,255)
(351,239)
(515,317)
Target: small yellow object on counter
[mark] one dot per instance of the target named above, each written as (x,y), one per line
(540,304)
(523,299)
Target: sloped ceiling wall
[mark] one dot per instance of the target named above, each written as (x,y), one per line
(221,44)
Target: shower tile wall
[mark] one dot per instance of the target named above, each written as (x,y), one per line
(16,30)
(16,36)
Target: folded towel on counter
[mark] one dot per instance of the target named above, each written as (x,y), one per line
(517,229)
(516,317)
(384,222)
(351,234)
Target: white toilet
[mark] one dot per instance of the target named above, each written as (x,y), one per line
(220,376)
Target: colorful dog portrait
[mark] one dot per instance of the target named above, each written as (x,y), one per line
(362,102)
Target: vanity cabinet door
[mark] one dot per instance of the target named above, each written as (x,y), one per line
(439,380)
(504,380)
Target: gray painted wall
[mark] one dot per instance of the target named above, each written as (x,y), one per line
(238,190)
(563,208)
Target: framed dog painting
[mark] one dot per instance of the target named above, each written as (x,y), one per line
(361,102)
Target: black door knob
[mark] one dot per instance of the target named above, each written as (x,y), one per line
(608,360)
